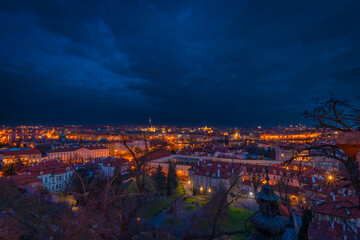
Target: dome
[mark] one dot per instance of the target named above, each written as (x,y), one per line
(267,193)
(62,135)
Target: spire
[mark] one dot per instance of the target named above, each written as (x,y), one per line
(150,122)
(267,193)
(268,223)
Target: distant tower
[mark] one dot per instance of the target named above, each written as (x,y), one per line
(62,136)
(150,122)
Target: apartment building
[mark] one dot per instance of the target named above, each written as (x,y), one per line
(78,154)
(53,175)
(26,155)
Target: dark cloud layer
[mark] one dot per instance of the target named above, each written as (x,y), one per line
(231,63)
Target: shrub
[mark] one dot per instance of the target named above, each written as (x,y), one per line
(202,203)
(190,200)
(172,221)
(189,207)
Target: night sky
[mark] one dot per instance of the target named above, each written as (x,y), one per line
(222,63)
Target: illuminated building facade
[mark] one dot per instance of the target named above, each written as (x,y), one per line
(78,154)
(26,155)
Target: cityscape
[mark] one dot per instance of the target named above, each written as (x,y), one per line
(180,120)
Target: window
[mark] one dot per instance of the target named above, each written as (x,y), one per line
(274,172)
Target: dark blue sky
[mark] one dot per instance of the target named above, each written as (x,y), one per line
(225,63)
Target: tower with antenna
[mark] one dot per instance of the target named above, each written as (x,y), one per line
(150,122)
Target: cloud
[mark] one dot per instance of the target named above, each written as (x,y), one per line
(234,63)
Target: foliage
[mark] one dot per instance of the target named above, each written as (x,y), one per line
(256,181)
(202,203)
(31,215)
(172,221)
(172,181)
(180,189)
(153,208)
(189,207)
(236,221)
(149,187)
(190,200)
(159,179)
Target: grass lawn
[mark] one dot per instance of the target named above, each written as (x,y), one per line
(178,193)
(180,189)
(236,221)
(202,203)
(189,207)
(190,200)
(172,221)
(153,208)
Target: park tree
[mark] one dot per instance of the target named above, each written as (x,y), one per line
(160,179)
(172,181)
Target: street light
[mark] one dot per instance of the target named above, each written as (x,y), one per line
(209,190)
(201,188)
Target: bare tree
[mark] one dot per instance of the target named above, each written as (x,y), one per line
(331,119)
(256,181)
(215,211)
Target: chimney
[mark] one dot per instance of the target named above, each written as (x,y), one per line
(218,172)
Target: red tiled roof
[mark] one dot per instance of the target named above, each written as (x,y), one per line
(72,149)
(322,230)
(212,168)
(113,162)
(339,206)
(23,179)
(53,167)
(29,151)
(157,155)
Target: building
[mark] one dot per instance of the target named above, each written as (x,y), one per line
(210,175)
(53,175)
(78,154)
(26,155)
(339,209)
(118,147)
(286,153)
(326,230)
(25,181)
(110,165)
